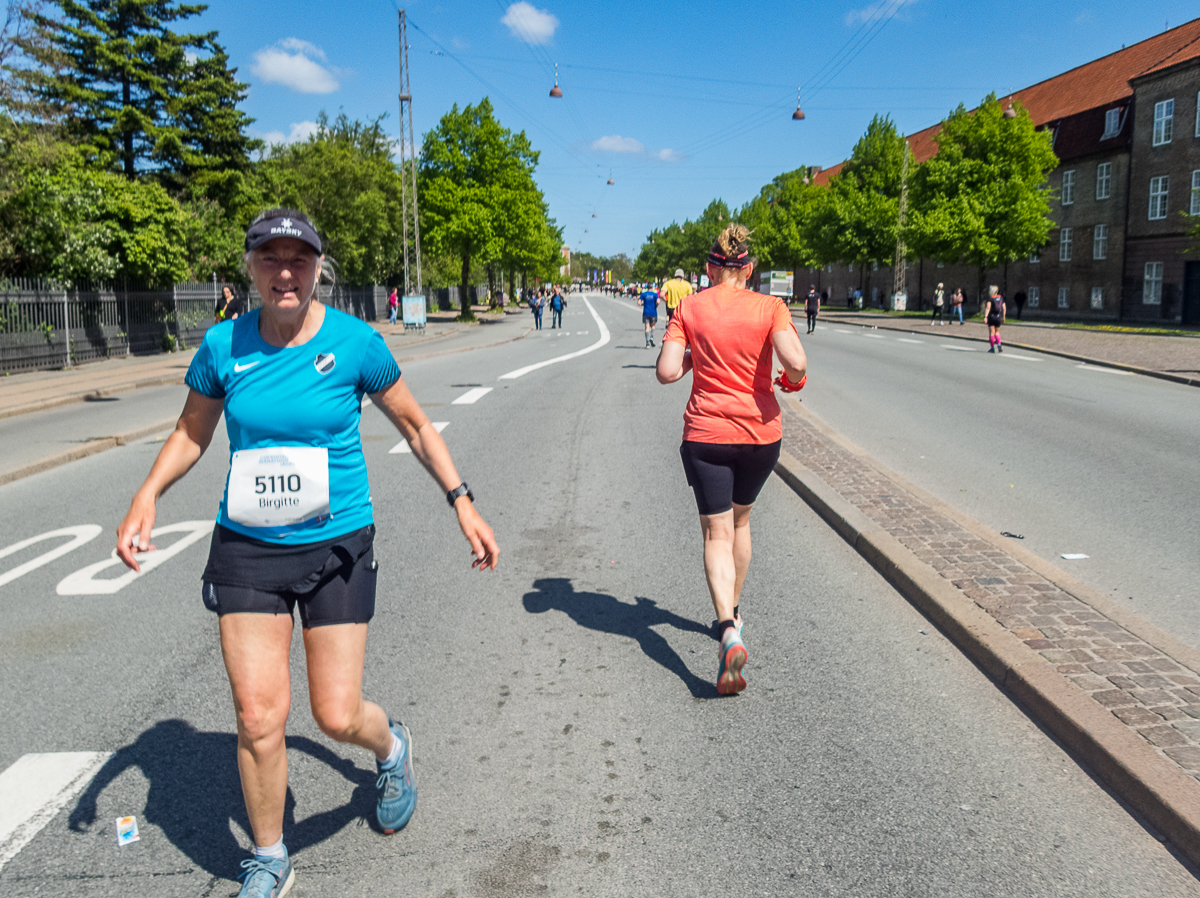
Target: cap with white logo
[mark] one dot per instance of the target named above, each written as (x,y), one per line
(269,228)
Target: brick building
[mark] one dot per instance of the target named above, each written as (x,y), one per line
(1126,130)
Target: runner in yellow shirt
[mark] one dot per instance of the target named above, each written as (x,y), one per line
(673,291)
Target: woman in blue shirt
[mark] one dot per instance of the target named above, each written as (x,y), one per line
(295,525)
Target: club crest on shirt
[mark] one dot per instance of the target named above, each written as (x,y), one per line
(324,362)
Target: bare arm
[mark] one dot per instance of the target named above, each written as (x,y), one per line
(790,354)
(183,448)
(402,409)
(674,361)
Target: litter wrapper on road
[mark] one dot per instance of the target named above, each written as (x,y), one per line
(127,830)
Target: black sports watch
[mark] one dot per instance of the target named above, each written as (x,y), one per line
(461,490)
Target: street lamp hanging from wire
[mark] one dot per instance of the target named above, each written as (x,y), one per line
(556,91)
(798,115)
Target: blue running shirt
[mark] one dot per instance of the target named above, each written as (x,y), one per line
(309,395)
(649,304)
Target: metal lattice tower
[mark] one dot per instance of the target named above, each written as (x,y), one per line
(408,172)
(899,271)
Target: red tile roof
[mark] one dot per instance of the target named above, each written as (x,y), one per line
(1102,82)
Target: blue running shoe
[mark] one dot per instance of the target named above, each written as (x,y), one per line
(397,786)
(266,877)
(733,658)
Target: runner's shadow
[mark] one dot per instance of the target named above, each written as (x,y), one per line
(195,790)
(607,614)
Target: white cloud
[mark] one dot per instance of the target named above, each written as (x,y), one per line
(666,155)
(875,11)
(530,24)
(299,131)
(615,143)
(296,69)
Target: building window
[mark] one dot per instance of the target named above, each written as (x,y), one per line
(1112,124)
(1103,180)
(1035,257)
(1097,297)
(941,265)
(1158,197)
(1068,188)
(1198,114)
(1164,120)
(1195,209)
(1152,285)
(1064,245)
(1035,297)
(1064,297)
(1100,242)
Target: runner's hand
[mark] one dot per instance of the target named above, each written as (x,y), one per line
(786,385)
(478,534)
(133,535)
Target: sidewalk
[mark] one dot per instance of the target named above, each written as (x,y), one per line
(1172,358)
(1121,694)
(37,390)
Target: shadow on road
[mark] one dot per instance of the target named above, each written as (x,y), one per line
(194,790)
(607,614)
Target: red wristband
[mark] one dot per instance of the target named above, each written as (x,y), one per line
(787,386)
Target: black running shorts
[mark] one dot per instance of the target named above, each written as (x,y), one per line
(994,320)
(333,581)
(722,474)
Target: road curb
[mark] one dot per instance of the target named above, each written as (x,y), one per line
(92,447)
(1166,797)
(1103,363)
(84,395)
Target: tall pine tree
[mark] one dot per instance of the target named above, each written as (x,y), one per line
(145,99)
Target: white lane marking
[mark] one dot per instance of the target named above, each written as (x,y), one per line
(84,533)
(402,448)
(875,336)
(37,787)
(1074,556)
(960,348)
(1105,370)
(82,582)
(906,340)
(838,330)
(822,327)
(366,401)
(472,396)
(604,338)
(1023,358)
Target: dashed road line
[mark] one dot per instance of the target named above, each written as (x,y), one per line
(906,340)
(35,788)
(961,348)
(402,448)
(838,330)
(875,336)
(1105,370)
(472,396)
(1023,358)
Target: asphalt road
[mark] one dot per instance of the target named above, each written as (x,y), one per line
(568,739)
(1075,458)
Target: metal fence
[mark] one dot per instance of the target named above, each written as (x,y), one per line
(44,326)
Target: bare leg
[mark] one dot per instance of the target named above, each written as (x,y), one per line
(255,648)
(726,556)
(741,548)
(335,669)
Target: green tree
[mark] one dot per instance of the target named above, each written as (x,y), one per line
(778,217)
(144,98)
(477,192)
(683,246)
(343,176)
(983,200)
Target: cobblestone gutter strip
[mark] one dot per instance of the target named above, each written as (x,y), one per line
(1135,369)
(1123,696)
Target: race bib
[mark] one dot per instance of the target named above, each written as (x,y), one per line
(278,486)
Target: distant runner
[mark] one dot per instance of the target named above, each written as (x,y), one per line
(731,426)
(812,305)
(995,318)
(295,526)
(673,292)
(649,303)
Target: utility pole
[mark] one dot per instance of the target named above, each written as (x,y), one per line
(408,171)
(899,271)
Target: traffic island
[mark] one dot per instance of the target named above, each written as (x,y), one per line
(1122,695)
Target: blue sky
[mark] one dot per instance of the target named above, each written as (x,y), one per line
(682,103)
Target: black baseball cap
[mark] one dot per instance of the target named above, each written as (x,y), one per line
(269,228)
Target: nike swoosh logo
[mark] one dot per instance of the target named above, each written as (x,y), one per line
(238,369)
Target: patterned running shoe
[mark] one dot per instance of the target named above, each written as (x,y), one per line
(397,786)
(733,658)
(266,877)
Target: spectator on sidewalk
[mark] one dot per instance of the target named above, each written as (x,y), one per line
(956,302)
(812,305)
(939,303)
(393,306)
(229,306)
(1019,302)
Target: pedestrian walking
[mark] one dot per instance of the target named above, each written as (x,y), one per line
(537,305)
(229,306)
(812,305)
(648,300)
(673,292)
(956,301)
(393,306)
(995,318)
(1019,302)
(939,303)
(557,304)
(731,426)
(295,525)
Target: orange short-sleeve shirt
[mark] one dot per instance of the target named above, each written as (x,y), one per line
(729,333)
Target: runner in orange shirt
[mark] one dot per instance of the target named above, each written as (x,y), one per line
(732,430)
